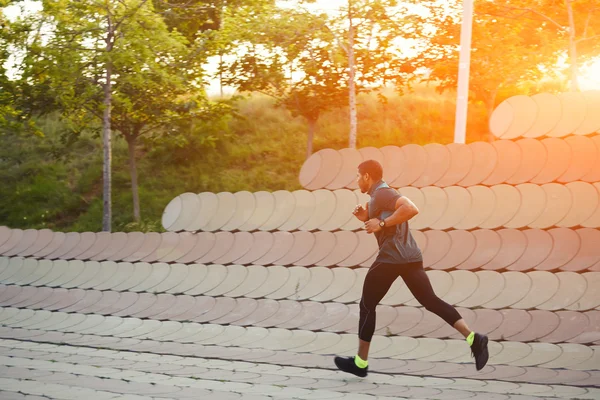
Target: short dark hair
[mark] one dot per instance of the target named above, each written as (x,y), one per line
(371,167)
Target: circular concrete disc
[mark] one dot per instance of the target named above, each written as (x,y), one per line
(190,207)
(304,242)
(118,242)
(324,243)
(514,244)
(27,239)
(242,243)
(223,245)
(433,254)
(345,244)
(227,204)
(367,247)
(371,153)
(204,242)
(265,204)
(57,240)
(539,246)
(168,242)
(585,203)
(516,287)
(485,158)
(487,246)
(594,220)
(305,205)
(325,204)
(525,115)
(393,163)
(310,169)
(351,158)
(590,298)
(331,165)
(261,244)
(87,240)
(436,202)
(245,203)
(572,287)
(282,244)
(102,241)
(209,203)
(459,205)
(594,174)
(464,284)
(285,204)
(544,286)
(559,159)
(461,162)
(438,162)
(549,113)
(71,241)
(508,202)
(44,237)
(591,122)
(533,159)
(29,266)
(171,212)
(558,203)
(5,233)
(416,162)
(565,247)
(509,160)
(532,204)
(502,119)
(463,246)
(588,255)
(187,242)
(584,158)
(483,203)
(151,242)
(491,284)
(345,203)
(573,106)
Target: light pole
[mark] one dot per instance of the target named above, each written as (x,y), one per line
(464,61)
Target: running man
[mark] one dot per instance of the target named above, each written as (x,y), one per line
(386,215)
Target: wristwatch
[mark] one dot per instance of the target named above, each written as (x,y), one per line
(382,223)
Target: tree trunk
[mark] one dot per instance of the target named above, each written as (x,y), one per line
(312,126)
(221,73)
(131,141)
(351,82)
(572,48)
(106,170)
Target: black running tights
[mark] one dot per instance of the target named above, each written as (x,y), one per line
(377,283)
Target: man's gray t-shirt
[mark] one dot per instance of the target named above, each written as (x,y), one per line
(396,244)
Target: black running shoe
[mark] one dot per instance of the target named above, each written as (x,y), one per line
(479,350)
(348,365)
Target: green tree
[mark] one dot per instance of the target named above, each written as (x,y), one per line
(15,115)
(573,25)
(120,63)
(505,53)
(368,31)
(289,55)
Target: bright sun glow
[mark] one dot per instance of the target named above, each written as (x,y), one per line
(590,77)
